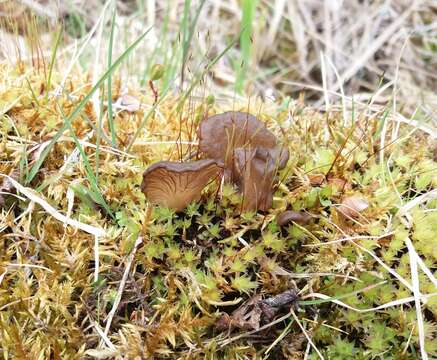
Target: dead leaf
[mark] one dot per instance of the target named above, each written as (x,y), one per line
(352,206)
(224,322)
(256,311)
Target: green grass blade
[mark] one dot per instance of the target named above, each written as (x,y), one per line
(52,61)
(184,97)
(34,97)
(99,132)
(184,34)
(96,193)
(249,7)
(24,164)
(206,70)
(110,113)
(34,170)
(188,32)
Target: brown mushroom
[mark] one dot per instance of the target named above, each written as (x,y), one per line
(255,170)
(221,134)
(352,206)
(174,184)
(289,216)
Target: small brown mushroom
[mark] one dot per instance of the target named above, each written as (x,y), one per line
(174,184)
(352,206)
(255,170)
(289,216)
(221,134)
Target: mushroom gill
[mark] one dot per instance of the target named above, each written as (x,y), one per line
(255,169)
(174,184)
(221,134)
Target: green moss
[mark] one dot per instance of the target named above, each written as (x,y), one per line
(196,265)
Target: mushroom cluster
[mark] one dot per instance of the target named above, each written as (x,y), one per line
(235,142)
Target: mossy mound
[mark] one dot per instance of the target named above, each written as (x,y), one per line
(164,280)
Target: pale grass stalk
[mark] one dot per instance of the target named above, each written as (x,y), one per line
(379,93)
(328,326)
(73,157)
(29,266)
(424,127)
(108,149)
(2,275)
(408,341)
(104,336)
(70,203)
(28,210)
(5,306)
(10,105)
(415,260)
(248,333)
(422,265)
(225,303)
(103,354)
(395,131)
(374,108)
(32,195)
(117,300)
(14,195)
(417,297)
(376,44)
(279,338)
(306,335)
(96,259)
(351,238)
(96,106)
(307,351)
(385,266)
(380,307)
(417,201)
(8,265)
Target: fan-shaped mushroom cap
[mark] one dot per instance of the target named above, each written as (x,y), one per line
(256,169)
(174,184)
(220,134)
